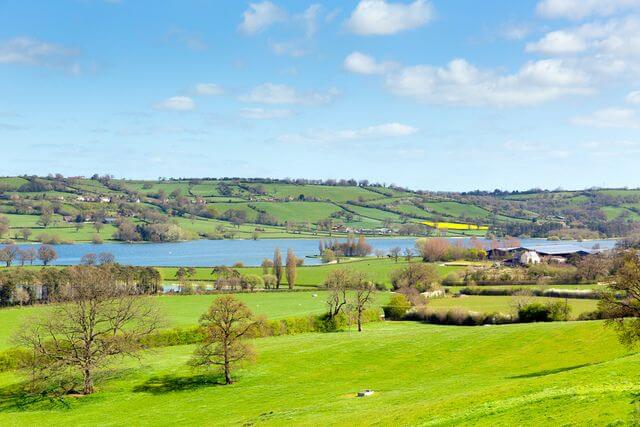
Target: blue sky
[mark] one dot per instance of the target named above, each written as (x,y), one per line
(438,95)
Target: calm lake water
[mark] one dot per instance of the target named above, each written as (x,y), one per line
(204,253)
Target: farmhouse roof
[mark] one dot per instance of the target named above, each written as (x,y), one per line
(560,249)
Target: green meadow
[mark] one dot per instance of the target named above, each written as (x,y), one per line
(562,373)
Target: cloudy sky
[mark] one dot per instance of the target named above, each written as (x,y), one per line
(431,94)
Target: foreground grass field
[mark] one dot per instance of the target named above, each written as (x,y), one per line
(564,373)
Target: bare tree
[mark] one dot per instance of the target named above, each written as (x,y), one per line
(28,254)
(266,265)
(88,259)
(277,267)
(106,258)
(21,296)
(8,254)
(408,254)
(395,253)
(336,283)
(433,249)
(96,321)
(25,233)
(226,326)
(291,265)
(363,292)
(46,254)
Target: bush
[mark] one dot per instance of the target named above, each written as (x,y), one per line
(252,281)
(452,279)
(458,316)
(549,312)
(535,312)
(96,239)
(397,307)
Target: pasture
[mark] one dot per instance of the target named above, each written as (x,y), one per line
(536,374)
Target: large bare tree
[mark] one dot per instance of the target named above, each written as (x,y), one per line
(96,319)
(226,325)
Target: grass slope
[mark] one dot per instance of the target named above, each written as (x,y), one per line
(549,374)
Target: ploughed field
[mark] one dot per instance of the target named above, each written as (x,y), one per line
(522,374)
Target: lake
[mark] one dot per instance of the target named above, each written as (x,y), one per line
(206,253)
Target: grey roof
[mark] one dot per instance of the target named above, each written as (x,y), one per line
(551,249)
(559,249)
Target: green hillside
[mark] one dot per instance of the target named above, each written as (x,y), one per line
(265,208)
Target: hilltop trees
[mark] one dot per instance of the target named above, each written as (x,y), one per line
(98,322)
(291,265)
(226,326)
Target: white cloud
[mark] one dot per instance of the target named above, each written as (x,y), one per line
(579,9)
(377,132)
(208,89)
(378,17)
(176,103)
(294,49)
(189,40)
(359,63)
(625,118)
(633,97)
(308,19)
(533,149)
(27,51)
(558,43)
(460,83)
(271,93)
(260,16)
(515,31)
(264,114)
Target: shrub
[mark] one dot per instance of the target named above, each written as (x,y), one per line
(458,316)
(96,239)
(397,307)
(549,312)
(534,312)
(252,281)
(452,279)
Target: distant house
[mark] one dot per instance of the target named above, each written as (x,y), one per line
(535,254)
(530,257)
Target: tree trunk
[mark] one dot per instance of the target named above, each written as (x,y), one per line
(359,321)
(88,382)
(227,367)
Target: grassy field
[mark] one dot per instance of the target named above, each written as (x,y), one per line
(565,373)
(378,270)
(185,310)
